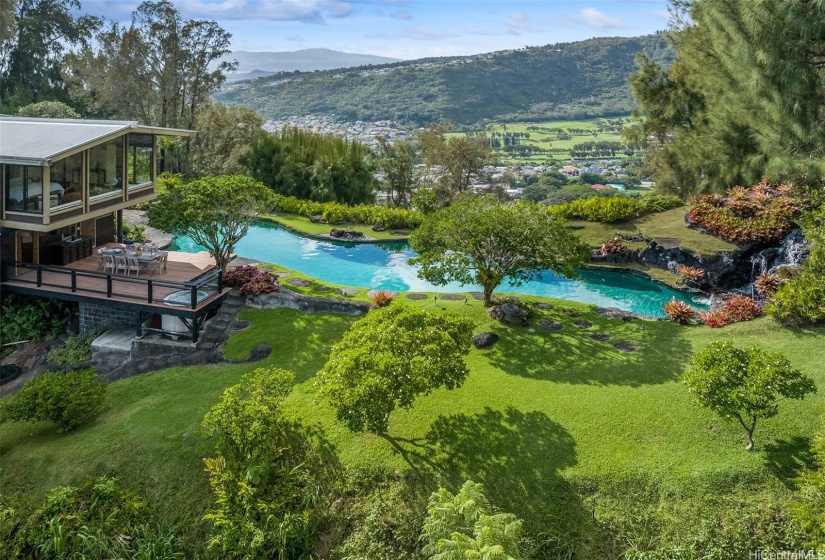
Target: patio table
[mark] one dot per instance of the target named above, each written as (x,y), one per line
(145,258)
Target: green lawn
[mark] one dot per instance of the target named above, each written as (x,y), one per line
(669,224)
(540,414)
(302,224)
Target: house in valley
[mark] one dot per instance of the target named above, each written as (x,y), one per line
(64,184)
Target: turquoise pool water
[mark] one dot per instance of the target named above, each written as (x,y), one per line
(385,267)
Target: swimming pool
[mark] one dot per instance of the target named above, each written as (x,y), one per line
(384,266)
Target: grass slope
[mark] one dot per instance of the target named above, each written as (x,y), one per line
(303,225)
(539,413)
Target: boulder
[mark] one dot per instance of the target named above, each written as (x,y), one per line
(416,297)
(319,219)
(379,227)
(347,291)
(485,339)
(509,314)
(548,325)
(345,234)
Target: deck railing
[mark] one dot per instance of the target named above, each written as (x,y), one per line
(11,272)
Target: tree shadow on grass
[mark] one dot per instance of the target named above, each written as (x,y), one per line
(571,356)
(787,458)
(516,455)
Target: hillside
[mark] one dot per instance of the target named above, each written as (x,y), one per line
(564,80)
(257,64)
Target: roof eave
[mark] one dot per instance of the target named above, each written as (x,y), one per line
(161,131)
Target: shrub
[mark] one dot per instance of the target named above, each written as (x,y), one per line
(136,233)
(714,319)
(382,299)
(613,209)
(801,301)
(27,317)
(690,273)
(658,203)
(335,212)
(741,308)
(76,350)
(760,214)
(251,280)
(679,312)
(767,284)
(612,246)
(67,399)
(97,521)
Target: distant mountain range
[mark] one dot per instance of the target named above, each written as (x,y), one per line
(257,64)
(564,80)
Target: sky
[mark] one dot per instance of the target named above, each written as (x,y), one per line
(409,29)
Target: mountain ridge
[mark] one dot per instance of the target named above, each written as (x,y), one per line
(253,64)
(561,80)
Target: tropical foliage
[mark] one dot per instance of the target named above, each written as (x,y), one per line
(744,384)
(609,209)
(679,312)
(386,360)
(481,241)
(26,317)
(464,526)
(312,166)
(760,214)
(334,212)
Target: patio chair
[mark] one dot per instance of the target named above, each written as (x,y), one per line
(121,264)
(155,264)
(132,265)
(108,263)
(164,259)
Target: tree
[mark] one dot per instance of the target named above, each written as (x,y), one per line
(459,158)
(49,110)
(396,164)
(744,384)
(483,241)
(215,212)
(161,70)
(743,98)
(463,526)
(224,133)
(389,358)
(33,44)
(264,475)
(312,166)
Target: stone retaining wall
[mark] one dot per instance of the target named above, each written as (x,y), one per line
(94,315)
(293,300)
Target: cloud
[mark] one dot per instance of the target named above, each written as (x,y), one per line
(418,33)
(296,38)
(596,19)
(519,21)
(401,14)
(307,11)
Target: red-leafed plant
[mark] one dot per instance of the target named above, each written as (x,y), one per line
(715,319)
(759,214)
(237,276)
(262,283)
(679,312)
(612,246)
(690,272)
(741,308)
(382,299)
(767,283)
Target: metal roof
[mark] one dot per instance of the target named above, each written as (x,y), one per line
(32,141)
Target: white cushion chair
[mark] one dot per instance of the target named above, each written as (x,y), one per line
(121,265)
(132,265)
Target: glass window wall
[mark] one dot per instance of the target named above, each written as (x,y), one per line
(68,174)
(106,169)
(24,189)
(140,160)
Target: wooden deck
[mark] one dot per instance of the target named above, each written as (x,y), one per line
(92,283)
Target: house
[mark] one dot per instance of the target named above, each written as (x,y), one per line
(64,184)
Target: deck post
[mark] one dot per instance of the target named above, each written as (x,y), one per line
(74,281)
(108,285)
(194,296)
(195,329)
(149,290)
(139,324)
(39,276)
(119,227)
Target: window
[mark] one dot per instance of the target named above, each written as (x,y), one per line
(140,160)
(106,169)
(24,189)
(68,174)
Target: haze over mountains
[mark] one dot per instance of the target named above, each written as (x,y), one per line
(258,64)
(563,80)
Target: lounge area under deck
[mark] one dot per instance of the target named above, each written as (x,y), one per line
(193,275)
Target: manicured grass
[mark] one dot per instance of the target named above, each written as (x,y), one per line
(302,224)
(669,224)
(539,412)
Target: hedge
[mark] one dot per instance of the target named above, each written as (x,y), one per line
(614,209)
(335,212)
